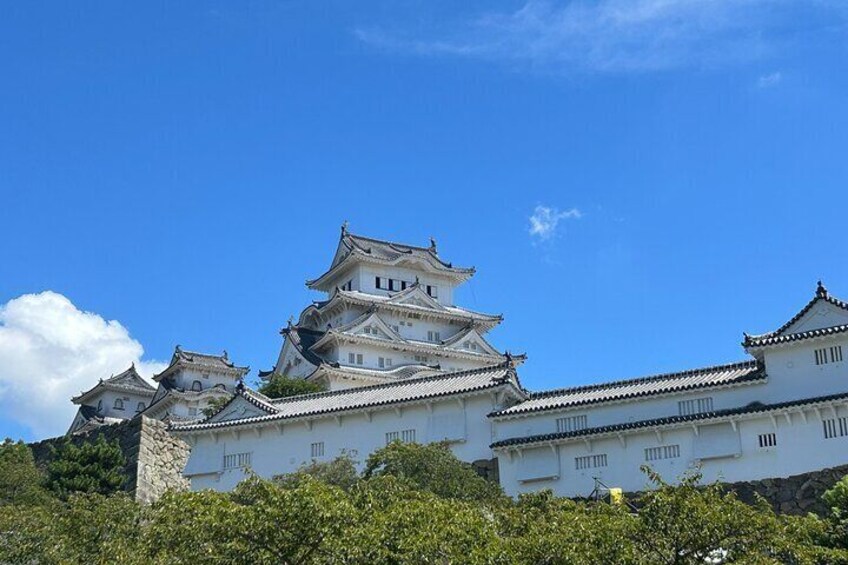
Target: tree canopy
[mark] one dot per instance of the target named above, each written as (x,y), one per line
(92,466)
(411,504)
(282,386)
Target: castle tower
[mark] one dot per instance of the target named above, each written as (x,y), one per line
(389,314)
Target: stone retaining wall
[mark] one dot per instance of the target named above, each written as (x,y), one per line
(798,494)
(155,459)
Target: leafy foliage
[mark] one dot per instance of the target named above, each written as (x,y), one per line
(412,504)
(214,405)
(340,472)
(92,467)
(433,468)
(282,386)
(20,480)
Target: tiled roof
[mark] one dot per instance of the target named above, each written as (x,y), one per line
(721,375)
(758,341)
(129,381)
(753,408)
(387,300)
(771,338)
(387,252)
(378,395)
(303,339)
(201,361)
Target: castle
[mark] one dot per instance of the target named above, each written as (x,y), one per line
(401,362)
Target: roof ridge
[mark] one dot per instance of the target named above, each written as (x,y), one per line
(649,378)
(444,376)
(388,242)
(821,294)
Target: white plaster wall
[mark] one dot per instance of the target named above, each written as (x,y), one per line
(130,403)
(274,452)
(632,410)
(372,353)
(801,447)
(794,374)
(184,379)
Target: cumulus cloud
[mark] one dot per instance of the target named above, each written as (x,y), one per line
(50,351)
(544,221)
(617,35)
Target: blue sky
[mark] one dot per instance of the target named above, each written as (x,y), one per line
(179,169)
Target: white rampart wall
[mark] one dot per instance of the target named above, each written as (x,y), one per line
(722,453)
(274,452)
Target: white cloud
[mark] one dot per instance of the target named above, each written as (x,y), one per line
(49,351)
(618,35)
(770,80)
(544,221)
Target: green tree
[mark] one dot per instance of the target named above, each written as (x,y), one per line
(835,534)
(214,405)
(87,528)
(93,467)
(542,528)
(433,468)
(690,523)
(282,386)
(340,472)
(396,523)
(260,522)
(20,480)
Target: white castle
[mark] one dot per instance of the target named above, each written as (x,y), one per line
(401,362)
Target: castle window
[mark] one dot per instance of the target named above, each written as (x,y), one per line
(317,449)
(662,452)
(140,407)
(384,362)
(237,460)
(359,358)
(405,436)
(196,386)
(767,440)
(433,291)
(835,427)
(420,358)
(348,285)
(821,356)
(695,406)
(571,423)
(590,461)
(119,404)
(836,354)
(434,336)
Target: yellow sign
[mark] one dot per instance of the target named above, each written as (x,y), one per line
(616,496)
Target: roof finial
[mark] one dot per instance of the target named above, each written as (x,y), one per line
(432,244)
(344,227)
(821,291)
(225,355)
(291,321)
(240,386)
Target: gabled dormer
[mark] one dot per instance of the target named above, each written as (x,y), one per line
(469,340)
(369,326)
(822,316)
(416,296)
(244,404)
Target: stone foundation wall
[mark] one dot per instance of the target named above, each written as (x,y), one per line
(155,459)
(798,494)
